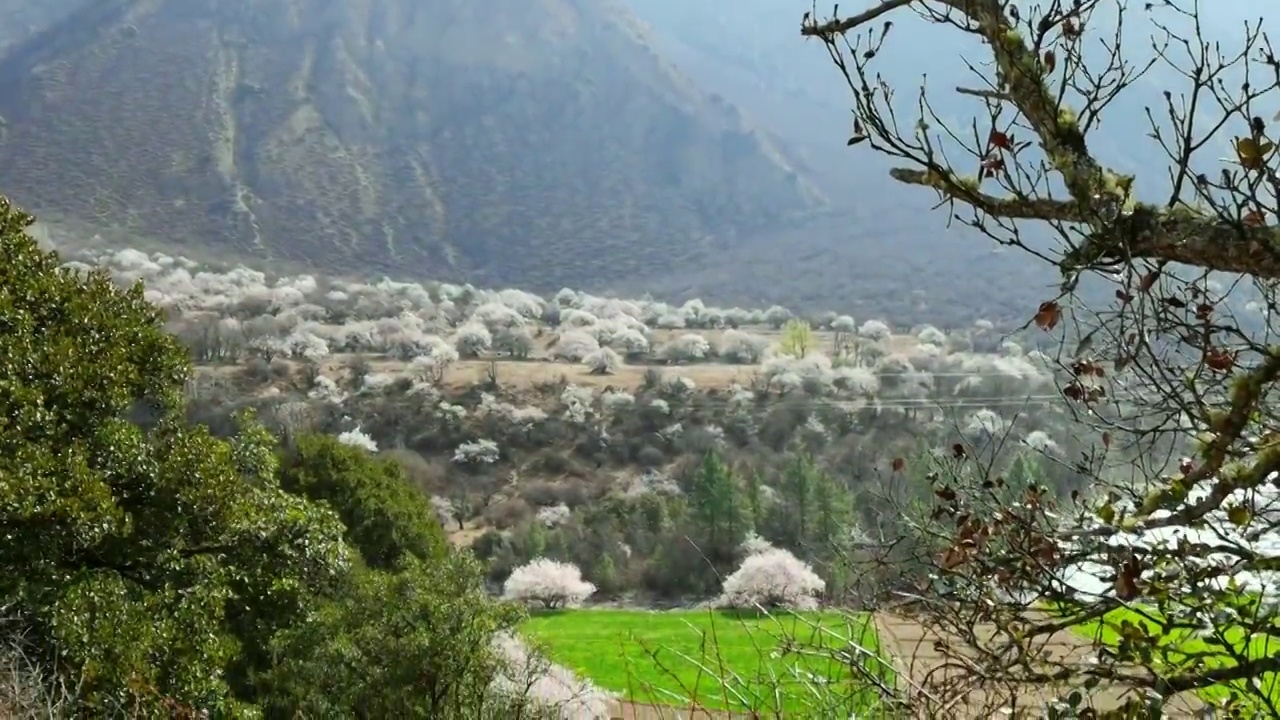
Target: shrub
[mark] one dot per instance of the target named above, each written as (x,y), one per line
(689,347)
(742,348)
(472,339)
(479,452)
(515,342)
(603,361)
(772,578)
(874,330)
(576,345)
(549,582)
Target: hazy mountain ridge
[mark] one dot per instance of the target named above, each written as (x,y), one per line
(541,143)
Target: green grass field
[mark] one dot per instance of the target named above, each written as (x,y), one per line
(723,660)
(1180,649)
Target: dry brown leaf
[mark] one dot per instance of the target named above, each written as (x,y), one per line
(1048,315)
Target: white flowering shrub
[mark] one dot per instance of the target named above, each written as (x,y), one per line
(1040,441)
(497,316)
(553,515)
(472,339)
(604,361)
(306,345)
(857,380)
(438,357)
(689,347)
(741,347)
(579,319)
(754,545)
(930,335)
(358,438)
(477,452)
(552,583)
(522,417)
(670,321)
(874,330)
(577,402)
(777,316)
(986,422)
(444,508)
(772,578)
(374,382)
(575,345)
(326,389)
(630,341)
(450,414)
(790,374)
(615,400)
(680,386)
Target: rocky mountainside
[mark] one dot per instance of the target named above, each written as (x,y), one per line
(531,142)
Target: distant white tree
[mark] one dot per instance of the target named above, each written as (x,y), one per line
(630,341)
(575,345)
(616,400)
(671,321)
(874,330)
(306,345)
(772,578)
(986,422)
(446,513)
(439,356)
(742,347)
(777,316)
(567,298)
(472,339)
(930,335)
(1040,441)
(496,316)
(554,515)
(604,361)
(689,347)
(358,438)
(574,318)
(552,583)
(478,452)
(515,341)
(844,324)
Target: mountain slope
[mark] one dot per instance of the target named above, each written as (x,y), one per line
(538,142)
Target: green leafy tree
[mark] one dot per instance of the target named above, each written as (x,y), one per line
(139,559)
(415,641)
(797,338)
(385,516)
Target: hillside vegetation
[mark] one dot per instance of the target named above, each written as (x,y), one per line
(585,427)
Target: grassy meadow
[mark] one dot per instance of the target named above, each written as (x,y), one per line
(732,661)
(1182,648)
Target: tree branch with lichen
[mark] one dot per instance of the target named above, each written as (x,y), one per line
(1144,232)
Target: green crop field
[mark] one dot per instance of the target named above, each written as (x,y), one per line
(797,664)
(1183,649)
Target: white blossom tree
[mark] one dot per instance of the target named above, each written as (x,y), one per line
(771,578)
(551,583)
(604,361)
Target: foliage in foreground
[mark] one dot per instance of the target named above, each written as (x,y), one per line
(157,569)
(1174,251)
